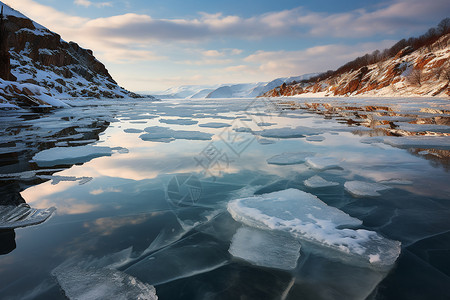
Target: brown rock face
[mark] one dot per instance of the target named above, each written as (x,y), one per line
(5,68)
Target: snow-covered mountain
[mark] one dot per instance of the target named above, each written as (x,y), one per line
(44,67)
(242,90)
(424,71)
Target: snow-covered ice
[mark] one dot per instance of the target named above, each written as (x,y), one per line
(165,134)
(307,218)
(318,182)
(362,188)
(265,248)
(289,158)
(22,215)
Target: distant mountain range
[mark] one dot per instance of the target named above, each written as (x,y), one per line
(242,90)
(44,68)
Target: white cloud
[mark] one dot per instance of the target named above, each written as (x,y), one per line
(311,60)
(87,3)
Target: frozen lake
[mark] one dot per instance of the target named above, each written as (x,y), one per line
(229,199)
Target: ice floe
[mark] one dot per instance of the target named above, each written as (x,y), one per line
(318,182)
(266,249)
(215,125)
(362,188)
(322,162)
(307,218)
(289,158)
(70,155)
(178,121)
(22,215)
(164,134)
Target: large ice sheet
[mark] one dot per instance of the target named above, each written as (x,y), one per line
(91,283)
(70,155)
(22,215)
(164,134)
(307,218)
(361,188)
(289,158)
(266,249)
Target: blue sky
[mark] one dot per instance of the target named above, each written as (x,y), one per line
(154,45)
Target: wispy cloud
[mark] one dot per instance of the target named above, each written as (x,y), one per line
(87,3)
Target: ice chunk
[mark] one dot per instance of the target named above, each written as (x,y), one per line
(362,189)
(266,249)
(288,132)
(178,121)
(102,283)
(188,257)
(322,163)
(164,134)
(214,125)
(318,182)
(289,158)
(307,218)
(22,215)
(70,155)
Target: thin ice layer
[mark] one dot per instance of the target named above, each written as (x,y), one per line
(22,215)
(307,218)
(362,188)
(289,158)
(80,283)
(266,249)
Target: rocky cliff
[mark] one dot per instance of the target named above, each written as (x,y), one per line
(421,72)
(41,62)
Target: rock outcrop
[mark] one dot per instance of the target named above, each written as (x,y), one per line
(40,57)
(423,72)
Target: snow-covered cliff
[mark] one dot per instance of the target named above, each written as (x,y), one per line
(45,67)
(423,72)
